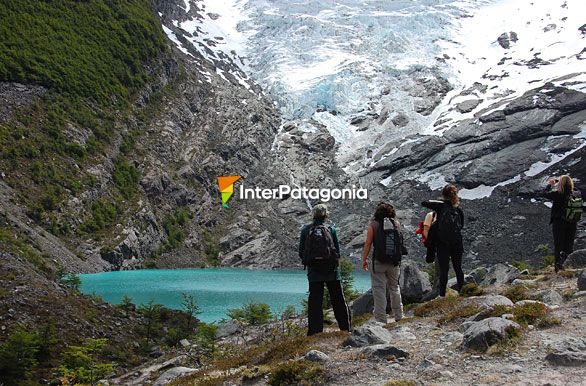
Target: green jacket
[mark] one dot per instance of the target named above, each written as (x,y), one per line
(312,274)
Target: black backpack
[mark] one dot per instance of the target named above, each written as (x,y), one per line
(389,246)
(449,226)
(320,251)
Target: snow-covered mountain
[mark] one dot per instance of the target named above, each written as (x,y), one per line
(488,93)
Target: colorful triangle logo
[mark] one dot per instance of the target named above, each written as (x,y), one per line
(226,184)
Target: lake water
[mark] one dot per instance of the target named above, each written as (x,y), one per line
(215,289)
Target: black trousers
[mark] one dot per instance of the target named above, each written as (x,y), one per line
(564,234)
(444,253)
(314,305)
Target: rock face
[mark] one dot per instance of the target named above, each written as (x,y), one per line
(368,334)
(479,336)
(582,281)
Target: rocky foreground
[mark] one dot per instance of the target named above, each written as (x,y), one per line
(516,328)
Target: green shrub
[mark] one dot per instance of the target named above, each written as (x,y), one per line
(152,318)
(80,364)
(103,215)
(18,356)
(72,281)
(521,265)
(516,293)
(126,178)
(400,382)
(300,373)
(547,261)
(174,335)
(206,337)
(458,313)
(254,314)
(438,306)
(174,227)
(471,289)
(536,314)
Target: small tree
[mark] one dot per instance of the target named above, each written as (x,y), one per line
(81,365)
(18,356)
(206,337)
(347,273)
(72,281)
(254,314)
(126,302)
(190,307)
(289,312)
(152,315)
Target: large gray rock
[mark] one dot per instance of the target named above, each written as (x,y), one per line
(568,352)
(576,259)
(479,336)
(368,334)
(487,301)
(172,374)
(316,356)
(551,297)
(414,283)
(363,304)
(582,281)
(384,351)
(227,329)
(500,274)
(567,358)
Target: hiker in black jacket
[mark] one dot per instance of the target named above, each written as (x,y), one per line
(447,235)
(564,231)
(322,270)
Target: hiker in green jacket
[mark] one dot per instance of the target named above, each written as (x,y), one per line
(319,251)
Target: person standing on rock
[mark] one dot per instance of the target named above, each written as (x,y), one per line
(384,232)
(319,251)
(565,214)
(448,235)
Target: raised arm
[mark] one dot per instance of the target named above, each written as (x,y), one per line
(434,205)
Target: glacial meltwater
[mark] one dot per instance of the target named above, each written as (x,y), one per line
(216,290)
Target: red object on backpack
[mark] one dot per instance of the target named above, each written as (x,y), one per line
(419,231)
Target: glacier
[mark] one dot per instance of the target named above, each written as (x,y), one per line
(334,63)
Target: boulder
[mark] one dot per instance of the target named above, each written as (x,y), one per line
(363,304)
(582,281)
(479,336)
(384,351)
(576,259)
(368,334)
(487,301)
(478,274)
(414,283)
(452,337)
(400,120)
(550,297)
(500,274)
(227,329)
(172,374)
(567,358)
(316,356)
(184,343)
